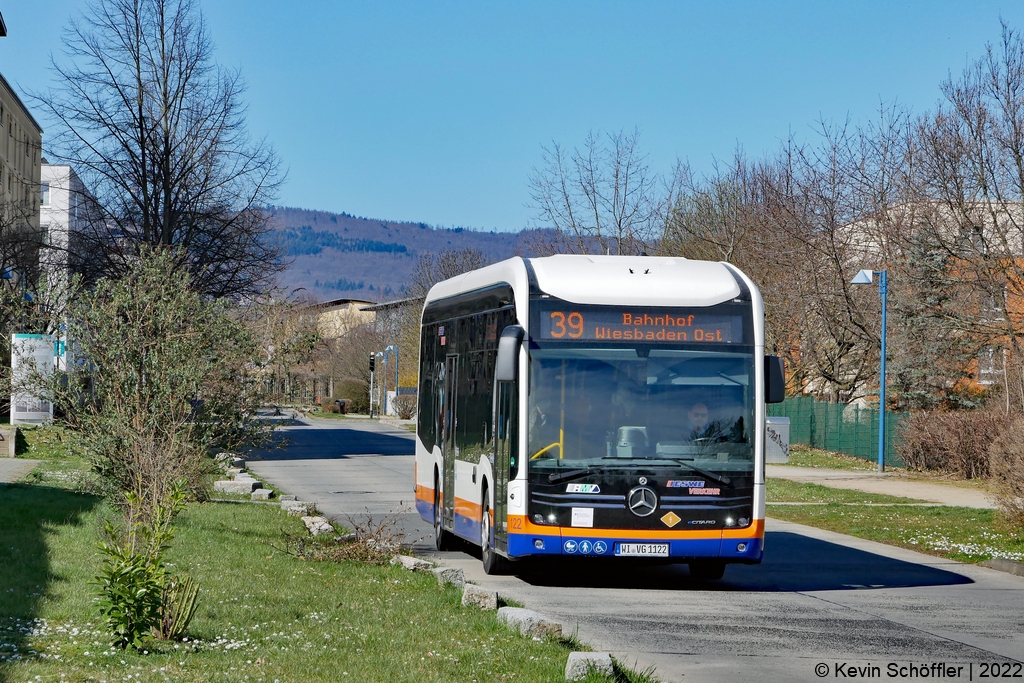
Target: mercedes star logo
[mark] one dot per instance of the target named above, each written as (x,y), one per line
(642,501)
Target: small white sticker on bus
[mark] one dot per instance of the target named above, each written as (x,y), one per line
(586,488)
(583,517)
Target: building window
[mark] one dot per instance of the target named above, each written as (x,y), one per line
(44,234)
(44,194)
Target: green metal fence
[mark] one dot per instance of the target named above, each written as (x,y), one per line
(847,429)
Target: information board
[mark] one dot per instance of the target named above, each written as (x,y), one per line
(32,360)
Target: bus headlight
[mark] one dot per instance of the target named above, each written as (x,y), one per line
(741,547)
(538,543)
(729,521)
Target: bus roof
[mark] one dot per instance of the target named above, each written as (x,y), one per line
(629,280)
(635,280)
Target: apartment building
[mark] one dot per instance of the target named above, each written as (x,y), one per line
(21,140)
(64,205)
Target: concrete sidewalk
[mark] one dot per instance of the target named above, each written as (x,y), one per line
(888,483)
(12,470)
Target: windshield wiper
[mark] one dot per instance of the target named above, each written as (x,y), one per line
(721,478)
(572,474)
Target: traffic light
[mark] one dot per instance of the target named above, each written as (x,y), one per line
(372,360)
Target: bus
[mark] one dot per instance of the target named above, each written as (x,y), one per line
(596,407)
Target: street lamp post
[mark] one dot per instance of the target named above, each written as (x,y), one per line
(865,277)
(383,402)
(394,349)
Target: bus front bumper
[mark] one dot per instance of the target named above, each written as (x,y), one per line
(731,546)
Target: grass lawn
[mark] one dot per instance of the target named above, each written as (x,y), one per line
(805,456)
(784,490)
(964,534)
(264,615)
(42,442)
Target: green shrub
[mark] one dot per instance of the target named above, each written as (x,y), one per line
(178,603)
(1006,462)
(355,393)
(131,586)
(405,406)
(952,441)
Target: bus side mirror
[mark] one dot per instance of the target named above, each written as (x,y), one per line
(506,368)
(774,380)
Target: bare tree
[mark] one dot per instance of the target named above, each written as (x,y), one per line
(969,235)
(601,198)
(448,263)
(157,131)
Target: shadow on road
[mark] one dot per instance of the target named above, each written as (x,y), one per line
(793,563)
(319,443)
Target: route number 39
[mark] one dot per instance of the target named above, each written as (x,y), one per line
(562,325)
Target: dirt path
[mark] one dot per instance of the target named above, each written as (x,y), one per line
(888,483)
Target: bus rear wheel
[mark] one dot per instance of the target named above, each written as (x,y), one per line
(493,562)
(707,570)
(442,539)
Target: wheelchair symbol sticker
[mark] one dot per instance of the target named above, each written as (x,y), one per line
(600,547)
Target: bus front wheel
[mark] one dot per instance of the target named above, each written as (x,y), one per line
(493,562)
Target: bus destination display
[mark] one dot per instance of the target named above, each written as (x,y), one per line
(650,325)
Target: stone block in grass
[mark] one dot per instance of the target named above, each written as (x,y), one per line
(298,508)
(580,665)
(318,526)
(412,563)
(452,575)
(262,494)
(235,486)
(475,596)
(529,623)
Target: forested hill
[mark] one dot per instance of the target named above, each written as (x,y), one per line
(335,255)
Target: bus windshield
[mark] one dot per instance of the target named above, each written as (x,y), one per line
(604,406)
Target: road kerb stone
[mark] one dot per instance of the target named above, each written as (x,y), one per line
(412,563)
(298,508)
(452,575)
(475,596)
(262,494)
(580,665)
(529,623)
(228,486)
(1004,565)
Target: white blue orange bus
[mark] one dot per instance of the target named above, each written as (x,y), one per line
(596,407)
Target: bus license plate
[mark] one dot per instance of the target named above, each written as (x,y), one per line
(641,549)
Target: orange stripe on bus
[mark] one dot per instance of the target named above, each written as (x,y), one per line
(755,530)
(468,508)
(425,493)
(520,524)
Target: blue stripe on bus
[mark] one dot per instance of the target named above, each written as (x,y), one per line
(426,510)
(522,545)
(467,528)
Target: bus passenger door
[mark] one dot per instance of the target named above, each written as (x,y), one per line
(505,452)
(449,450)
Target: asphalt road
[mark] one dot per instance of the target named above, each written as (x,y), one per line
(819,603)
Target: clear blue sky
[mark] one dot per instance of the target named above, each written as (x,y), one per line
(436,112)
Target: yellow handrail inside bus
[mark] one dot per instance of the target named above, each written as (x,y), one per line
(561,439)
